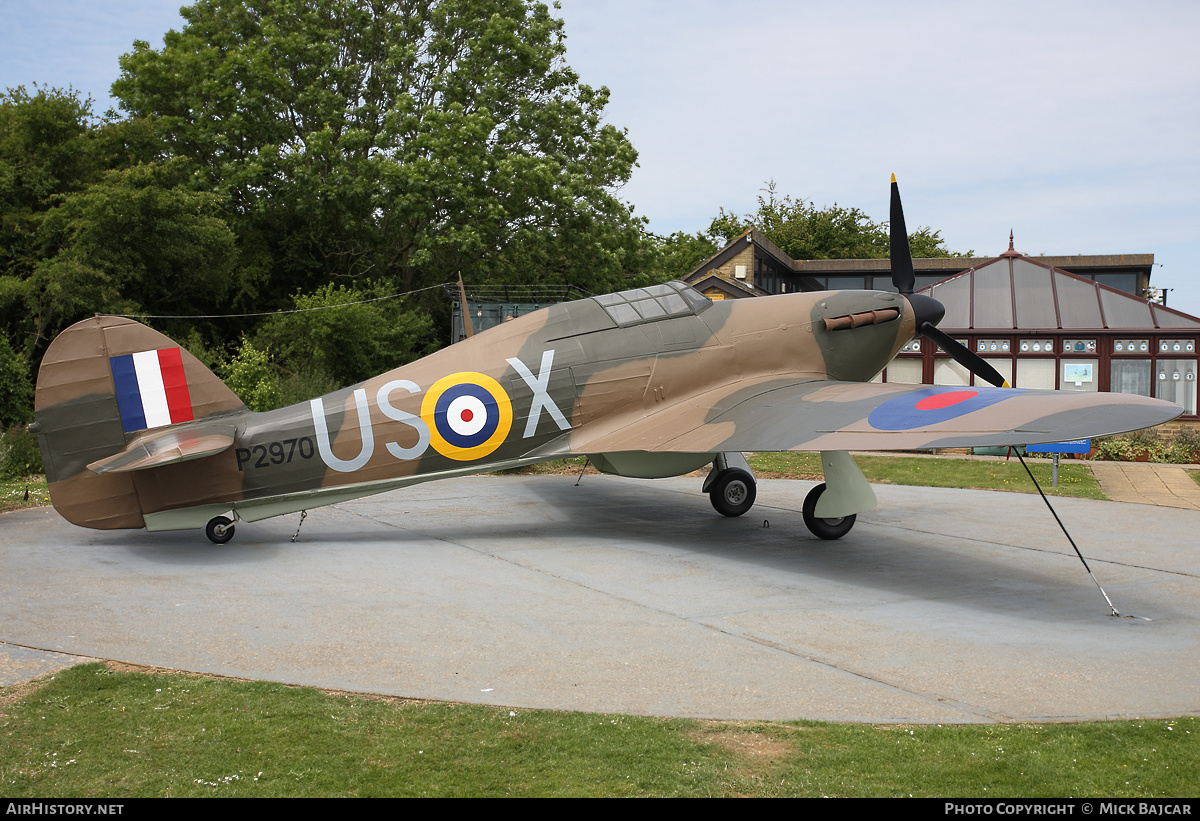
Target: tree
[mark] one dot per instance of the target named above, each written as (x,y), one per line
(679,253)
(91,221)
(16,391)
(804,231)
(46,152)
(136,241)
(339,336)
(391,140)
(250,375)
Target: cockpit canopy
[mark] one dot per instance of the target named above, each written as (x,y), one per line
(654,303)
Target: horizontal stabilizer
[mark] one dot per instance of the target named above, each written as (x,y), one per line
(168,447)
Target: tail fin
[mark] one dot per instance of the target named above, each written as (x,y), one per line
(102,382)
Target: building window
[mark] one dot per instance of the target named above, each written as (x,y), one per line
(1002,366)
(1122,282)
(1132,376)
(1176,382)
(905,371)
(1079,375)
(949,372)
(1035,373)
(1079,346)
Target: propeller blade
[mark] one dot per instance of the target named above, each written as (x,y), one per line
(902,265)
(926,310)
(963,355)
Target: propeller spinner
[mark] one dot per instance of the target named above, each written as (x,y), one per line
(927,310)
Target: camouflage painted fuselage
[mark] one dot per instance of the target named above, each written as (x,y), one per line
(649,383)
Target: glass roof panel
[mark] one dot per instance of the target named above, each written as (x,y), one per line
(1035,299)
(993,296)
(955,294)
(1125,311)
(1077,303)
(1166,319)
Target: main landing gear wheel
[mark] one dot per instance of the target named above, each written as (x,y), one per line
(824,528)
(219,529)
(733,493)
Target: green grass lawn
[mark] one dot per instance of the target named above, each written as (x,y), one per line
(16,494)
(1074,479)
(94,732)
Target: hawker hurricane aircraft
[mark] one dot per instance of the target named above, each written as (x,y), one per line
(651,382)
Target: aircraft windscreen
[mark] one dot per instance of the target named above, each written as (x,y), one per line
(654,303)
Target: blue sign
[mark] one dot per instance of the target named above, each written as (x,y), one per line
(1075,446)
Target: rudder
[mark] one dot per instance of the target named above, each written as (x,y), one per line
(102,382)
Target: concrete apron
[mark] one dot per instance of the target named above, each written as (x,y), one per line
(622,595)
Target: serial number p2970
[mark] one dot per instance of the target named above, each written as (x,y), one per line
(275,453)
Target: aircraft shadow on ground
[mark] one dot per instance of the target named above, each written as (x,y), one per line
(551,513)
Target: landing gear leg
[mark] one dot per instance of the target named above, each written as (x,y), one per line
(830,509)
(730,484)
(219,529)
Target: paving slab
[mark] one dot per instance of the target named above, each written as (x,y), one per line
(625,595)
(1147,483)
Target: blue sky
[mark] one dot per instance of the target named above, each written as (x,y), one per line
(1074,124)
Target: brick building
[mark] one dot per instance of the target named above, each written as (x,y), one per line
(1068,323)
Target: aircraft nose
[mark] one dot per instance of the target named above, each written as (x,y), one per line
(925,309)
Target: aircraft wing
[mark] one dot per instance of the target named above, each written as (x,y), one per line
(818,414)
(168,446)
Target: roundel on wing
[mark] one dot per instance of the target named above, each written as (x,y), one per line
(469,415)
(930,406)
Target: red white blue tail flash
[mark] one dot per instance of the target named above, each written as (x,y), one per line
(151,389)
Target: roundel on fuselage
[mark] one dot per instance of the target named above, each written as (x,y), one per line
(933,405)
(469,415)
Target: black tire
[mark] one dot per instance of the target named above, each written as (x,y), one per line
(824,528)
(219,529)
(733,493)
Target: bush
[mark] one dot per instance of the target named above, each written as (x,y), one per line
(251,376)
(16,390)
(1184,449)
(1114,449)
(1187,441)
(20,455)
(338,338)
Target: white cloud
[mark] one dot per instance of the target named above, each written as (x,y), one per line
(1073,123)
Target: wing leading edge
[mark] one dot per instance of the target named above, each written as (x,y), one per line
(816,415)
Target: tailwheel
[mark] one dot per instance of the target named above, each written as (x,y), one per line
(824,528)
(732,494)
(219,529)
